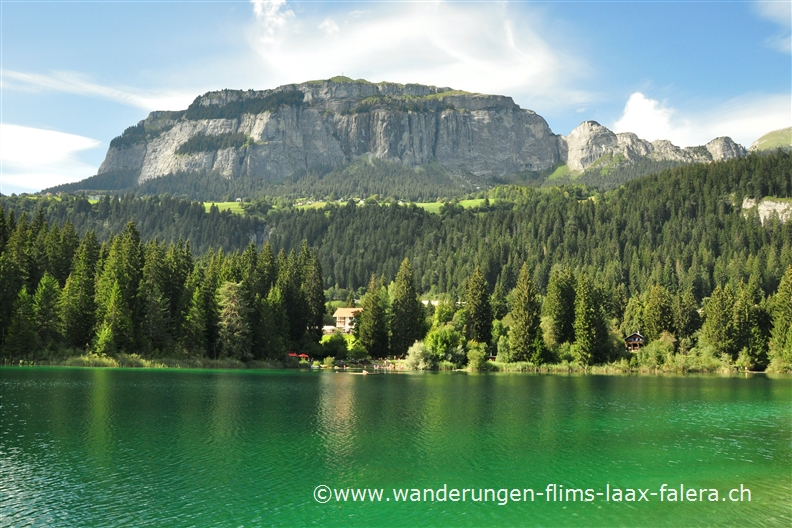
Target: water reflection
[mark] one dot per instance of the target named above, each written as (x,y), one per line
(336,411)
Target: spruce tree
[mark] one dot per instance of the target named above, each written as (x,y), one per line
(234,333)
(313,292)
(560,305)
(45,308)
(77,304)
(590,325)
(21,339)
(686,317)
(478,308)
(718,328)
(781,343)
(371,328)
(658,312)
(115,328)
(525,336)
(407,317)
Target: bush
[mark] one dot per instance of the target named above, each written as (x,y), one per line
(357,352)
(442,342)
(504,354)
(477,356)
(335,345)
(419,358)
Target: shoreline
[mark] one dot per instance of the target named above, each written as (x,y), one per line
(134,361)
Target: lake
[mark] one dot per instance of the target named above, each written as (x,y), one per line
(135,447)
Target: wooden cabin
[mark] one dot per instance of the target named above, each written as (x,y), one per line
(634,342)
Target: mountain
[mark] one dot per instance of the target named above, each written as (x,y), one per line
(297,133)
(781,138)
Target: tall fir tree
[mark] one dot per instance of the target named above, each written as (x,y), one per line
(371,328)
(78,305)
(525,337)
(781,343)
(718,327)
(478,308)
(21,338)
(658,312)
(560,305)
(407,317)
(234,332)
(45,308)
(590,325)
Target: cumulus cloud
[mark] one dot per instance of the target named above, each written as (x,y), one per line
(781,14)
(33,158)
(74,83)
(744,119)
(489,48)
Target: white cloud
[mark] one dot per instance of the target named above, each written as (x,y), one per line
(33,158)
(477,47)
(647,118)
(744,119)
(781,14)
(74,83)
(329,26)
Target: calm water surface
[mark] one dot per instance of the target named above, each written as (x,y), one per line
(108,447)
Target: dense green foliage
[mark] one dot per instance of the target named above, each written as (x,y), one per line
(60,295)
(242,105)
(671,255)
(119,180)
(163,218)
(204,143)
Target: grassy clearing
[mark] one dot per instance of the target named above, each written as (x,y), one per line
(562,171)
(234,207)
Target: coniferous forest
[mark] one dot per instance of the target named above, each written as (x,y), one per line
(533,276)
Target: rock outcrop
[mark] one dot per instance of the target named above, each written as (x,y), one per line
(590,141)
(271,134)
(334,122)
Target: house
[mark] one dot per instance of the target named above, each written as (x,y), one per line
(345,318)
(634,342)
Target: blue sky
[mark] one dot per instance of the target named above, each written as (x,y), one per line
(76,74)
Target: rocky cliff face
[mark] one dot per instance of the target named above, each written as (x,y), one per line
(273,133)
(333,123)
(591,141)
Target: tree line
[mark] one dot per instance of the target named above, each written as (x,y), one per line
(62,295)
(578,323)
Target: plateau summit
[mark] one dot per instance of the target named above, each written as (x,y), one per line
(272,134)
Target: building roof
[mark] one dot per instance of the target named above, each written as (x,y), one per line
(347,312)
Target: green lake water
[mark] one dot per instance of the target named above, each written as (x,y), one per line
(109,447)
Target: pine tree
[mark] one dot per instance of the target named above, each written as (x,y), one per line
(21,338)
(115,328)
(718,328)
(77,305)
(313,292)
(590,325)
(560,305)
(45,308)
(525,337)
(781,343)
(371,328)
(658,312)
(478,308)
(407,317)
(686,317)
(633,317)
(234,333)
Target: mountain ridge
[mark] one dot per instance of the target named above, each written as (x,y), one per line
(315,126)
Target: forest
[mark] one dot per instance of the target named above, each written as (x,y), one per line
(562,274)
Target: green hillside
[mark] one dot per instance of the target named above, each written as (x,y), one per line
(776,139)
